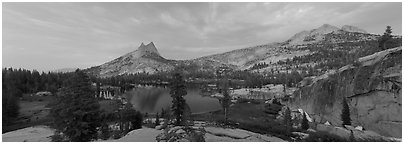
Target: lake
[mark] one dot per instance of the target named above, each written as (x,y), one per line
(152,99)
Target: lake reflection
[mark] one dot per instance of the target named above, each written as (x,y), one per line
(153,99)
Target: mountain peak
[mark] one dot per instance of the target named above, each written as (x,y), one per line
(327,25)
(350,28)
(316,35)
(325,28)
(149,48)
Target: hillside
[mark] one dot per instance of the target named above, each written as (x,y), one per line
(303,44)
(372,87)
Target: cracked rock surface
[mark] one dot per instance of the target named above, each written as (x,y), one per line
(372,87)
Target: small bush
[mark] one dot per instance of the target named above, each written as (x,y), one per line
(242,100)
(57,137)
(116,134)
(195,136)
(273,109)
(323,137)
(105,132)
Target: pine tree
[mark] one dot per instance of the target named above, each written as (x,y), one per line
(76,112)
(157,122)
(226,100)
(105,131)
(305,122)
(385,38)
(177,92)
(287,120)
(136,119)
(163,113)
(345,115)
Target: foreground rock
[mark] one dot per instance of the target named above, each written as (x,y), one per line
(140,135)
(372,87)
(212,134)
(358,135)
(30,134)
(217,134)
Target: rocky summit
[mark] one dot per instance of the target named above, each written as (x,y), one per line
(145,59)
(318,34)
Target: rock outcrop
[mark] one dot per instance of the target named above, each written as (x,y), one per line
(38,133)
(212,134)
(349,28)
(372,87)
(318,34)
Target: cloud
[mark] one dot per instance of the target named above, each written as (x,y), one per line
(168,19)
(45,36)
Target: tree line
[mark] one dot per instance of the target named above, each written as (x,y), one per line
(17,82)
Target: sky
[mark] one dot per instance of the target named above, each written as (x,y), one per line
(50,36)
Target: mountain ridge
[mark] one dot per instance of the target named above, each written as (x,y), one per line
(147,59)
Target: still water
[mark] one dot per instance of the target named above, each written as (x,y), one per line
(153,99)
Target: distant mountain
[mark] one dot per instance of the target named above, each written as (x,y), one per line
(65,70)
(146,59)
(318,34)
(245,58)
(274,52)
(349,28)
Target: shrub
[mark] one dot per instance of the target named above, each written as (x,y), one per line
(305,122)
(323,137)
(116,134)
(57,137)
(273,109)
(105,132)
(345,115)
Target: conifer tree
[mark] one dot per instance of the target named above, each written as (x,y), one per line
(177,92)
(105,131)
(385,38)
(163,113)
(76,112)
(345,115)
(305,122)
(226,100)
(157,122)
(287,120)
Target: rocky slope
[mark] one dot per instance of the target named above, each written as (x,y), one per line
(318,34)
(146,59)
(244,58)
(372,87)
(207,133)
(271,53)
(30,134)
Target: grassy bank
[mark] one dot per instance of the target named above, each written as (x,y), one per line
(249,115)
(34,110)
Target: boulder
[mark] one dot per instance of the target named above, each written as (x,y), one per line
(358,134)
(181,134)
(301,135)
(339,131)
(311,130)
(232,133)
(359,128)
